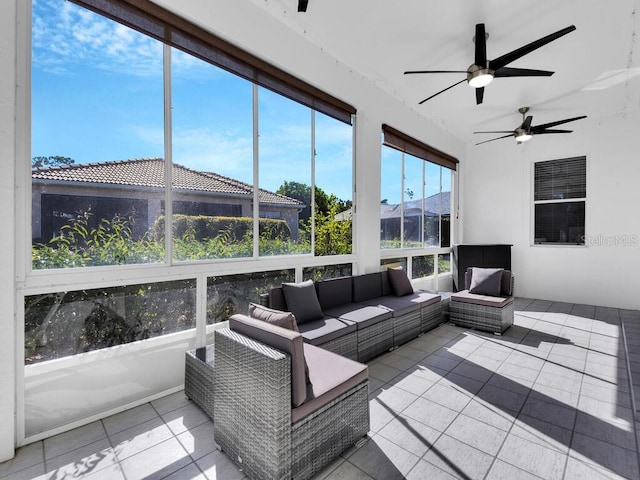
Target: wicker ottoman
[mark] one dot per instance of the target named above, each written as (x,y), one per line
(198,378)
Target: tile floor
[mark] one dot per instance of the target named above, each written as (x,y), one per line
(549,399)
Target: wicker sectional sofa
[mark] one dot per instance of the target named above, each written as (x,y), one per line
(365,315)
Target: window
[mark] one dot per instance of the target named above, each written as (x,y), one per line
(560,192)
(101,133)
(415,208)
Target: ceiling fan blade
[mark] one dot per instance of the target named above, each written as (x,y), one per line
(497,131)
(493,139)
(551,131)
(526,125)
(521,72)
(481,46)
(412,72)
(442,91)
(554,124)
(479,95)
(507,58)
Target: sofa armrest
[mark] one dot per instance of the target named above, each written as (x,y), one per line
(252,403)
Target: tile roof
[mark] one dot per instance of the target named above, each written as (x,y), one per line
(149,172)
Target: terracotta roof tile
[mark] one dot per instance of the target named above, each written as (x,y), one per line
(149,172)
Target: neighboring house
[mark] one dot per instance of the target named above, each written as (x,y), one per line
(435,206)
(136,187)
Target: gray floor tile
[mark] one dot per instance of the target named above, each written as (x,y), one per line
(346,471)
(462,383)
(431,414)
(543,408)
(198,441)
(25,457)
(451,397)
(458,459)
(185,418)
(577,470)
(504,471)
(424,470)
(477,434)
(382,372)
(74,439)
(85,460)
(533,458)
(189,472)
(393,398)
(413,436)
(611,457)
(490,414)
(413,383)
(217,465)
(502,398)
(156,462)
(139,438)
(170,402)
(129,418)
(542,433)
(383,459)
(34,472)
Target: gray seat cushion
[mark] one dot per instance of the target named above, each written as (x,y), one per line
(363,315)
(486,300)
(486,281)
(398,306)
(326,329)
(330,375)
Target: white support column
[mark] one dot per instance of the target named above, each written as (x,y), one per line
(8,49)
(368,140)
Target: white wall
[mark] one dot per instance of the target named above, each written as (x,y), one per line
(7,220)
(497,207)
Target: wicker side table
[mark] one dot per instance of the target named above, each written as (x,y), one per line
(198,378)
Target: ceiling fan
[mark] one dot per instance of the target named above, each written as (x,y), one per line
(482,71)
(526,131)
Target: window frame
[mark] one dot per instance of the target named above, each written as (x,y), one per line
(583,200)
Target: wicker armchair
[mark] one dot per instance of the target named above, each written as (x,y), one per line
(257,387)
(492,313)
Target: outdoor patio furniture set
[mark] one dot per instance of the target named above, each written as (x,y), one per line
(286,386)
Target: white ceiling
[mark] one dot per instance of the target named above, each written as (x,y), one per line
(383,38)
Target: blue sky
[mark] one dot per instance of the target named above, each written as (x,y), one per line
(97,95)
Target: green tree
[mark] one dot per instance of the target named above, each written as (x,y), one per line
(51,161)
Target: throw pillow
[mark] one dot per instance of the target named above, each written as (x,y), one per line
(486,281)
(302,301)
(400,283)
(274,317)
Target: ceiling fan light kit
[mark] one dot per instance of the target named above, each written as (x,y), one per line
(481,77)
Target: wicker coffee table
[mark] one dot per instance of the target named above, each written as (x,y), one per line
(198,378)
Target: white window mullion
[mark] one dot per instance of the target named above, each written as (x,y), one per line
(256,175)
(168,157)
(313,182)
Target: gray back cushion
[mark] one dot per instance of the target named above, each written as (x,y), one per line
(386,284)
(506,283)
(367,286)
(486,281)
(272,316)
(302,301)
(276,299)
(282,339)
(399,281)
(333,292)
